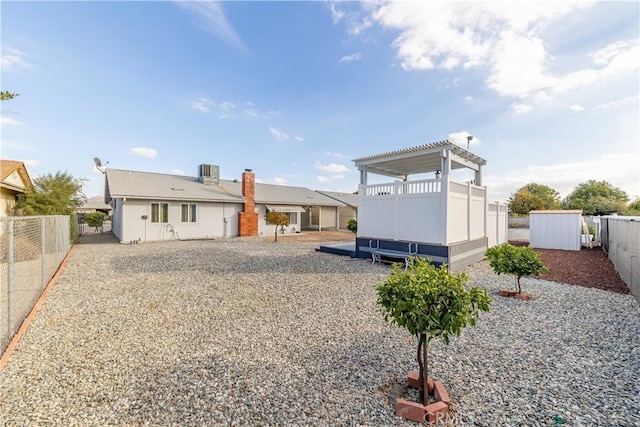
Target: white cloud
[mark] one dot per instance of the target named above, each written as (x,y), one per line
(278,180)
(176,171)
(577,108)
(460,138)
(149,153)
(32,163)
(332,178)
(507,38)
(619,102)
(202,104)
(331,168)
(7,121)
(212,20)
(518,108)
(226,106)
(323,179)
(353,57)
(331,154)
(298,138)
(336,15)
(251,114)
(619,169)
(13,58)
(469,98)
(278,133)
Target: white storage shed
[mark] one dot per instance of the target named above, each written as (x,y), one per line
(558,229)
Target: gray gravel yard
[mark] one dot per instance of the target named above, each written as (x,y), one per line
(245,331)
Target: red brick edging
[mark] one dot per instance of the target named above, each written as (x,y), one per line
(420,413)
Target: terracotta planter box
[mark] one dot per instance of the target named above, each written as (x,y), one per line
(506,293)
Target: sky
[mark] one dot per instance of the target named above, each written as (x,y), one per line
(296,90)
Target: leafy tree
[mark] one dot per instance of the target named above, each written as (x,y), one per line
(519,261)
(634,208)
(57,194)
(429,302)
(597,198)
(534,197)
(352,225)
(279,219)
(94,219)
(6,95)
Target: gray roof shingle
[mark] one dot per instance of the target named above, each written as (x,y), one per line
(147,185)
(348,199)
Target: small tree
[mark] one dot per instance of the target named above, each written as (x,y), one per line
(6,95)
(279,219)
(430,302)
(520,261)
(94,219)
(352,225)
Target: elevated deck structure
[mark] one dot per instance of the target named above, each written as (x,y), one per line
(447,220)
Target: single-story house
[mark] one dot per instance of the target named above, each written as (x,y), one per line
(347,212)
(94,205)
(153,206)
(14,180)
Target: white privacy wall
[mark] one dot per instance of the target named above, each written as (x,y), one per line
(555,229)
(623,249)
(497,224)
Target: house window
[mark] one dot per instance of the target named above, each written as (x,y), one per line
(293,217)
(188,212)
(159,212)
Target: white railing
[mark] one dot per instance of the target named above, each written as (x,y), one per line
(426,186)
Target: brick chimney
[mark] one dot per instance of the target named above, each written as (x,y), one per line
(248,218)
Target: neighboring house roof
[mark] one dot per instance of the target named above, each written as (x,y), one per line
(7,168)
(348,199)
(146,185)
(95,205)
(157,186)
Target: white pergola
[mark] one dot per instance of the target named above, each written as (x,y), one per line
(442,156)
(436,211)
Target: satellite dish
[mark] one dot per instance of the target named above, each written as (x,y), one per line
(99,164)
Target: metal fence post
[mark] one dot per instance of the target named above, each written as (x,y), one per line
(43,232)
(10,276)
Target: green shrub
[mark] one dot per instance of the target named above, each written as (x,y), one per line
(94,219)
(520,261)
(352,225)
(429,302)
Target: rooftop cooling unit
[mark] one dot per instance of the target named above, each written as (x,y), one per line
(209,174)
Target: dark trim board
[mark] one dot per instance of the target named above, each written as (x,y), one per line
(457,256)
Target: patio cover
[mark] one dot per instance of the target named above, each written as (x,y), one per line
(285,208)
(421,159)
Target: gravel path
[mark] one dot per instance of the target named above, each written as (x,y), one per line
(248,332)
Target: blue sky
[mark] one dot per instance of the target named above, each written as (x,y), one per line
(296,90)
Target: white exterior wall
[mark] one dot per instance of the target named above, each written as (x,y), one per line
(269,229)
(210,221)
(555,230)
(117,219)
(328,217)
(346,213)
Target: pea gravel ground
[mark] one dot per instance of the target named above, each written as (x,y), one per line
(248,332)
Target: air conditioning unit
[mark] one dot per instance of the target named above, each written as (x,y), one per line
(209,174)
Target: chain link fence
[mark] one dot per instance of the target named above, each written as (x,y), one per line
(31,249)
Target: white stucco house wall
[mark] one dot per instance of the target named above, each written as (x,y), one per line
(152,206)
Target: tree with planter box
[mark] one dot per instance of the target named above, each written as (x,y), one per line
(521,261)
(430,302)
